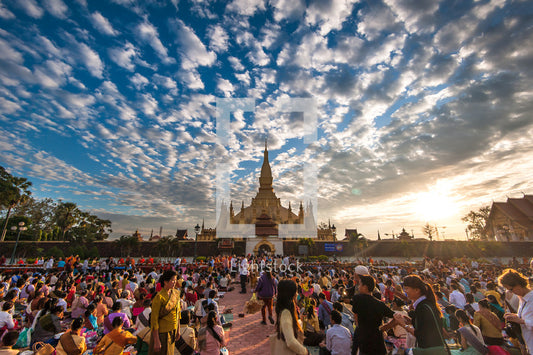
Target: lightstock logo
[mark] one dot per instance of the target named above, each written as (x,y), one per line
(224,227)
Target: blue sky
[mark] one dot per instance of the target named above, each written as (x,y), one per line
(424,108)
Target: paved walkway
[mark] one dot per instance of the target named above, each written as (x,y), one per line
(247,335)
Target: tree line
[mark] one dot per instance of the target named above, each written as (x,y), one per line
(46,219)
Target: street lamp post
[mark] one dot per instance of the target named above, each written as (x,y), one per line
(197,230)
(20,228)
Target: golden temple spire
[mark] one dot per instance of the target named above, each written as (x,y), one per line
(265,180)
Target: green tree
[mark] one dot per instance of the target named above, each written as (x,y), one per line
(89,228)
(358,241)
(307,241)
(127,243)
(428,230)
(40,212)
(165,245)
(13,191)
(477,221)
(67,215)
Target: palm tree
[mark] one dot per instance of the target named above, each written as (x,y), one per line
(357,241)
(13,191)
(67,215)
(127,243)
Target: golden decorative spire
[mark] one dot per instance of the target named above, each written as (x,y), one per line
(265,180)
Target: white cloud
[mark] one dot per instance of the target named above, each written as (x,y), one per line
(192,49)
(376,20)
(5,13)
(102,24)
(53,74)
(226,87)
(257,55)
(246,7)
(124,56)
(165,81)
(49,47)
(8,53)
(148,33)
(31,8)
(56,8)
(149,105)
(219,38)
(92,61)
(287,9)
(329,15)
(191,78)
(417,16)
(243,78)
(139,81)
(236,63)
(8,106)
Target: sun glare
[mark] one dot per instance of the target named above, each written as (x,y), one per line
(434,205)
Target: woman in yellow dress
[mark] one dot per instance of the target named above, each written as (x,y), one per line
(164,321)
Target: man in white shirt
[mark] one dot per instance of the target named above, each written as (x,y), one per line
(456,297)
(233,267)
(244,274)
(338,338)
(49,264)
(6,318)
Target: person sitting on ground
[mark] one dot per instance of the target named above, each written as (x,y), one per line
(71,342)
(186,332)
(114,342)
(115,312)
(8,340)
(79,305)
(338,338)
(471,337)
(452,320)
(347,320)
(90,318)
(101,309)
(210,301)
(489,323)
(496,307)
(125,304)
(211,337)
(48,326)
(6,318)
(312,332)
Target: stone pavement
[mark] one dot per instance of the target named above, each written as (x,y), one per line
(247,335)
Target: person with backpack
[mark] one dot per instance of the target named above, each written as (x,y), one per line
(187,333)
(211,338)
(114,342)
(71,342)
(143,331)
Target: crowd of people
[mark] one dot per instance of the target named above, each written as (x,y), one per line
(339,308)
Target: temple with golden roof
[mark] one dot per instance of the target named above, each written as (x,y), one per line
(266,213)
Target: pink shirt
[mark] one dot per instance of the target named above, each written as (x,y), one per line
(79,307)
(212,346)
